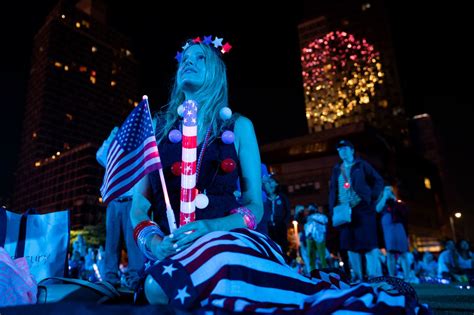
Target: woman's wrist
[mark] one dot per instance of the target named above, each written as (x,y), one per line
(248,216)
(144,234)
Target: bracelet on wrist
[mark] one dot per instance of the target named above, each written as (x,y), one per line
(247,214)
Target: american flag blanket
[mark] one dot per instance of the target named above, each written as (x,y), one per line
(244,271)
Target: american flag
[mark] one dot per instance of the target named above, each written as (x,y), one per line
(243,271)
(132,154)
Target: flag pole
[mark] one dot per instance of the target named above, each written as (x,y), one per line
(169,211)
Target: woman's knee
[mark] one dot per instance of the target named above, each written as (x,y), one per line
(153,292)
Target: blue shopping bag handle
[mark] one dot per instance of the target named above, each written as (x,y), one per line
(3,226)
(20,247)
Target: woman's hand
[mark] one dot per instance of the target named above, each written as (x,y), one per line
(162,248)
(185,235)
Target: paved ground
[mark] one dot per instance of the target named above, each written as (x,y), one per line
(447,299)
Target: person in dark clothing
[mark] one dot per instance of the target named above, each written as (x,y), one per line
(276,212)
(356,183)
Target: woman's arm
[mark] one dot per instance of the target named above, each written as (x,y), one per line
(249,157)
(160,247)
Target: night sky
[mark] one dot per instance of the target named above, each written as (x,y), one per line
(435,67)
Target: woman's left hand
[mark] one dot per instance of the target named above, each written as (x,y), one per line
(185,235)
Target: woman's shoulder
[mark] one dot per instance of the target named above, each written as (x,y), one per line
(242,125)
(241,121)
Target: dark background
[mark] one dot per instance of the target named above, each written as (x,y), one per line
(432,46)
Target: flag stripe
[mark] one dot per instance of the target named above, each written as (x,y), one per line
(154,159)
(188,168)
(188,155)
(131,160)
(188,182)
(187,207)
(128,185)
(189,131)
(128,166)
(112,152)
(125,157)
(188,195)
(189,142)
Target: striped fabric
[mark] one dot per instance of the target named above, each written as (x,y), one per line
(188,164)
(244,271)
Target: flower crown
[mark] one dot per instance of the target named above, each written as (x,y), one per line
(217,43)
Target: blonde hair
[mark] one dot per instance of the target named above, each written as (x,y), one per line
(211,97)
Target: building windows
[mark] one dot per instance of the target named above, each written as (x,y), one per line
(427,183)
(92,77)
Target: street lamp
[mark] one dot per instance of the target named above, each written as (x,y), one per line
(451,221)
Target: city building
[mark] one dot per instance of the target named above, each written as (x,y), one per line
(83,82)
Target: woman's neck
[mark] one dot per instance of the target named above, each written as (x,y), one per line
(189,95)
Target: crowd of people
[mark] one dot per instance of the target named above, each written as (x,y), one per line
(455,263)
(86,262)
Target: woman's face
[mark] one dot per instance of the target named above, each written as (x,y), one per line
(192,69)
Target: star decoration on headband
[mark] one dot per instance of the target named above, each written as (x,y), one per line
(217,43)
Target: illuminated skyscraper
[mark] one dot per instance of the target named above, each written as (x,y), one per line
(83,81)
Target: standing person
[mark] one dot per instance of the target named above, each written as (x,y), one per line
(118,226)
(277,212)
(219,261)
(315,231)
(393,219)
(356,183)
(300,217)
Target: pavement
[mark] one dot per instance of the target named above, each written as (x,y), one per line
(447,299)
